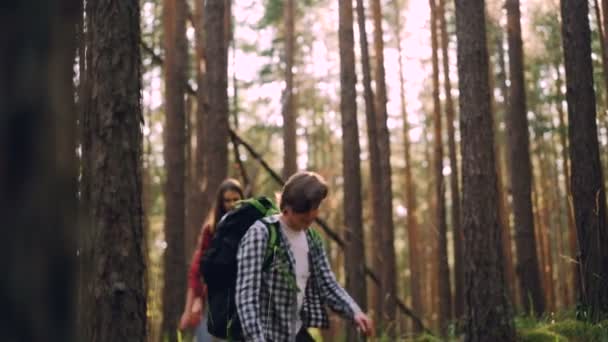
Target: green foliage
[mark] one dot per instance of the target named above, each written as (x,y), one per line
(273,13)
(425,338)
(540,335)
(560,328)
(582,331)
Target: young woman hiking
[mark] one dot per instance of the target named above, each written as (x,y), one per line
(194,316)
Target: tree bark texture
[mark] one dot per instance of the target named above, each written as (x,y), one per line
(112,152)
(521,169)
(216,147)
(488,315)
(200,201)
(444,297)
(374,154)
(290,153)
(38,171)
(174,20)
(389,282)
(455,172)
(589,197)
(354,261)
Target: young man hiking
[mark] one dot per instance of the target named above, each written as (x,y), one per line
(278,298)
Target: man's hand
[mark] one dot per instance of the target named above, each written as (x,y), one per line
(364,324)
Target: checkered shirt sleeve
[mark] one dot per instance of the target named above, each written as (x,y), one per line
(332,293)
(250,257)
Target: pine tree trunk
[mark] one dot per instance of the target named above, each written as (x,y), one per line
(354,263)
(200,198)
(38,171)
(443,276)
(589,197)
(559,209)
(174,20)
(487,309)
(572,240)
(410,189)
(374,155)
(112,130)
(521,169)
(389,282)
(290,165)
(190,231)
(216,147)
(501,173)
(539,238)
(544,228)
(429,237)
(454,175)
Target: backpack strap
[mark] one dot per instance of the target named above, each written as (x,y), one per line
(265,206)
(316,237)
(273,242)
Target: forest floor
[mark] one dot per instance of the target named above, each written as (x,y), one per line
(559,327)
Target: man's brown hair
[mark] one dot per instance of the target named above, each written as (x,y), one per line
(303,192)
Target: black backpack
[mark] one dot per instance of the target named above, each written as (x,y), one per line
(219,266)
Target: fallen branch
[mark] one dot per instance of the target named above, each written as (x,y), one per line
(158,60)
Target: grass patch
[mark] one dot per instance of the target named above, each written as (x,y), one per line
(568,329)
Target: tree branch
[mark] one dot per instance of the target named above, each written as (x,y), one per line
(158,60)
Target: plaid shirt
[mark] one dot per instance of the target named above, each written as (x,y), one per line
(266,299)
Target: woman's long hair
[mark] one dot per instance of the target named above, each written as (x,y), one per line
(219,209)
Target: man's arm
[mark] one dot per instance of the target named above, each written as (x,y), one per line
(332,292)
(250,257)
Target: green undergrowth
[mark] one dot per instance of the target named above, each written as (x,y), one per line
(560,329)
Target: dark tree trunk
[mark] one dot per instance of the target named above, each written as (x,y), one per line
(354,261)
(290,155)
(387,250)
(487,314)
(112,151)
(216,147)
(374,162)
(588,192)
(444,297)
(521,170)
(38,171)
(200,201)
(174,19)
(455,173)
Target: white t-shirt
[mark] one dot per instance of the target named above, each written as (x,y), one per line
(299,248)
